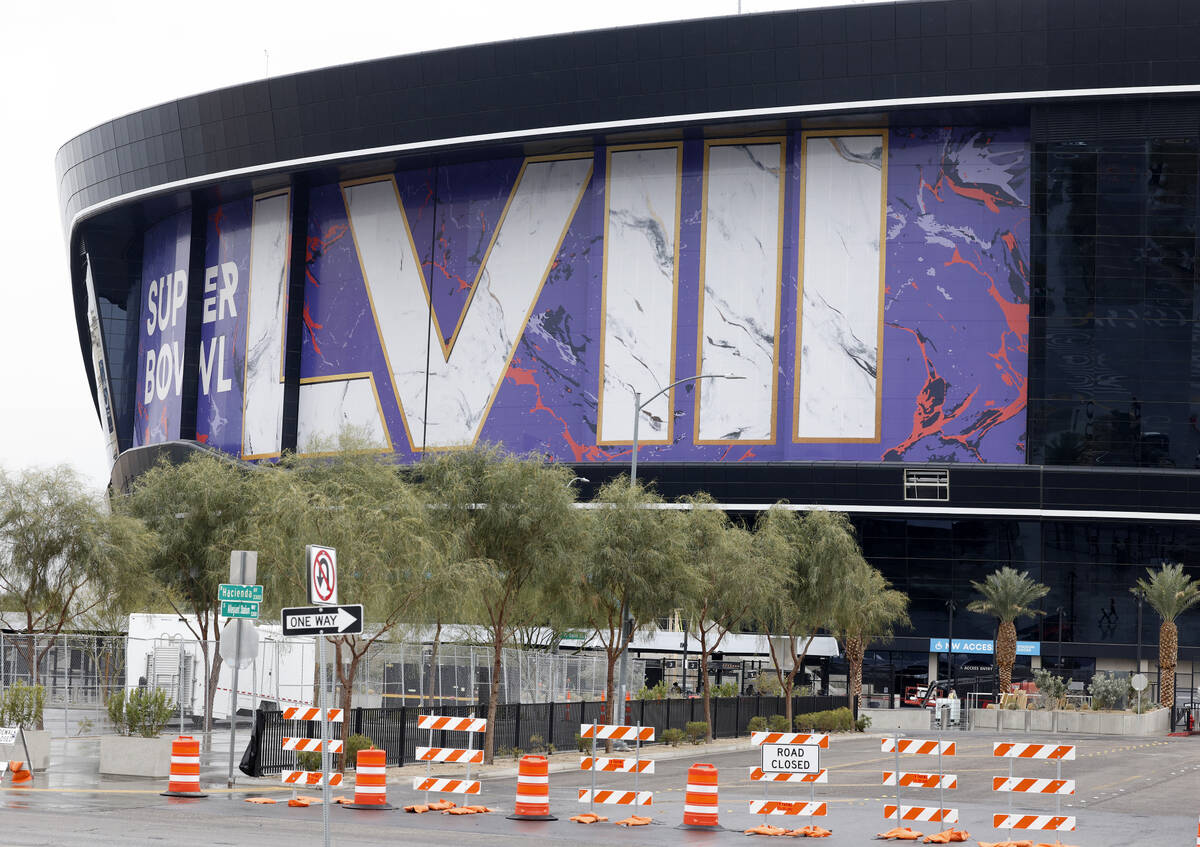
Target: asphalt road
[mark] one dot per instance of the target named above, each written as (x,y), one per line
(1130,792)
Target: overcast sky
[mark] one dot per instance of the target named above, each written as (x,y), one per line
(69,66)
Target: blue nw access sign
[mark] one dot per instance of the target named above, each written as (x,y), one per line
(323,620)
(981,646)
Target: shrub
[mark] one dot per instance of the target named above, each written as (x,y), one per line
(674,737)
(517,753)
(140,711)
(353,744)
(725,689)
(22,705)
(697,731)
(584,745)
(835,720)
(767,684)
(658,692)
(757,724)
(537,743)
(863,723)
(1108,691)
(777,723)
(309,760)
(1052,688)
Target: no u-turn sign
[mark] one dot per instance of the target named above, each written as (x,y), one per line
(322,575)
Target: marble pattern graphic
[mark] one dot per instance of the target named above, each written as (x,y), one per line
(837,380)
(444,397)
(639,292)
(266,311)
(953,365)
(329,408)
(743,219)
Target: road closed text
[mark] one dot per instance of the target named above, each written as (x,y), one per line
(790,758)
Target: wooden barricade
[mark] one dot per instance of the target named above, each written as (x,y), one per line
(637,734)
(466,755)
(806,808)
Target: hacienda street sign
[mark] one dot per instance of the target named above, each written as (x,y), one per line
(323,620)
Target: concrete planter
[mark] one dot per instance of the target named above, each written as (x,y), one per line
(1084,722)
(130,756)
(38,742)
(907,720)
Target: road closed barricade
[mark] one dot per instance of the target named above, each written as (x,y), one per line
(1013,784)
(789,757)
(903,814)
(608,764)
(467,756)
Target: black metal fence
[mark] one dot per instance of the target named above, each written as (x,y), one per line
(527,726)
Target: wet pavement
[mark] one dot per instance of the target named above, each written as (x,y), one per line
(1130,791)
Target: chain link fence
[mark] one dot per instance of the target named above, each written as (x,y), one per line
(79,672)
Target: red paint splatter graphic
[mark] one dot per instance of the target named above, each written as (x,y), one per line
(314,247)
(580,452)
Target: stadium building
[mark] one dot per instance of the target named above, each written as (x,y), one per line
(947,248)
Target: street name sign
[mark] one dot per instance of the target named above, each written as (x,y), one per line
(790,758)
(323,620)
(239,609)
(251,593)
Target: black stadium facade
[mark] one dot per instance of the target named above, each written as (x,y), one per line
(947,249)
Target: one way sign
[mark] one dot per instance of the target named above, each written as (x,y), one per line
(323,620)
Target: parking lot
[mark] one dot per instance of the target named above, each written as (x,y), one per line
(1130,791)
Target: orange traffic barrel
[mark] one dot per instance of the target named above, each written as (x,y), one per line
(184,780)
(370,781)
(700,798)
(533,790)
(20,773)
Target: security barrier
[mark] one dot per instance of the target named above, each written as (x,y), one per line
(913,779)
(184,779)
(806,808)
(370,781)
(467,755)
(533,790)
(310,779)
(622,732)
(1057,753)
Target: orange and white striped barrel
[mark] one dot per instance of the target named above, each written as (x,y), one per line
(449,754)
(1033,786)
(1052,752)
(820,777)
(184,779)
(1045,823)
(616,764)
(533,790)
(370,781)
(1198,835)
(311,713)
(309,779)
(616,798)
(448,786)
(700,796)
(616,731)
(917,746)
(781,807)
(451,724)
(921,780)
(921,813)
(309,745)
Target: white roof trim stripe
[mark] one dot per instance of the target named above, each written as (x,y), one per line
(637,123)
(938,511)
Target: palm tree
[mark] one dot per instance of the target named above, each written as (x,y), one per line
(871,611)
(1007,595)
(1171,593)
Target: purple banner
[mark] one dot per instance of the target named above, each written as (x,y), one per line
(875,311)
(162,324)
(222,354)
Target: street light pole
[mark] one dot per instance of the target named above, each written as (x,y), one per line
(950,643)
(626,620)
(1140,595)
